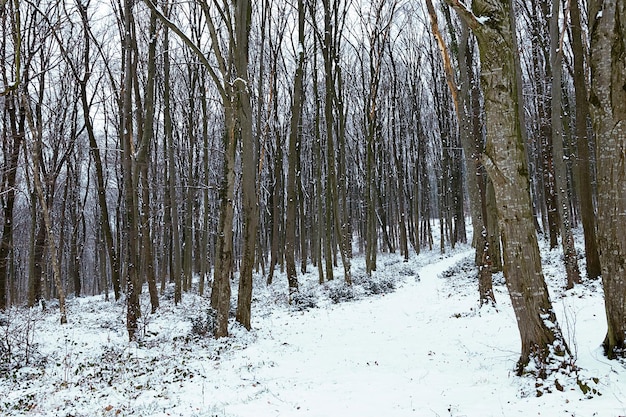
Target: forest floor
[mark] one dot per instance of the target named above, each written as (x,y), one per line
(410,341)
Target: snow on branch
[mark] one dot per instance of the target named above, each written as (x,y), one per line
(473,21)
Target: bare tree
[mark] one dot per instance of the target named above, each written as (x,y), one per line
(562,194)
(12,139)
(231,80)
(585,189)
(295,135)
(130,207)
(542,341)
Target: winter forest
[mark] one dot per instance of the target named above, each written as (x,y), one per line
(211,167)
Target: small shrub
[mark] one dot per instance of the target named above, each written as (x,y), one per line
(303,300)
(341,294)
(407,271)
(204,325)
(379,286)
(17,346)
(374,285)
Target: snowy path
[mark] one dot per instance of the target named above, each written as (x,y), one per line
(423,350)
(382,356)
(420,351)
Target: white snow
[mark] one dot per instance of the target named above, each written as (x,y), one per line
(423,350)
(482,19)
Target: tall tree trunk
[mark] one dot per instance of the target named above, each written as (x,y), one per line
(188,205)
(371,235)
(206,219)
(399,163)
(143,163)
(105,224)
(585,190)
(608,109)
(13,139)
(130,224)
(293,157)
(505,161)
(468,112)
(542,70)
(275,203)
(317,172)
(45,213)
(220,293)
(560,170)
(333,217)
(170,193)
(243,17)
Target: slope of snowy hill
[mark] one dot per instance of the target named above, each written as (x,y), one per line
(410,341)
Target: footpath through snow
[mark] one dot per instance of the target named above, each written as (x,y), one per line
(423,350)
(420,351)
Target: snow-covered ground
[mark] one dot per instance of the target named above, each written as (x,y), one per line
(411,342)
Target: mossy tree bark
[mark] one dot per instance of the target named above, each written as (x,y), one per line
(608,109)
(249,159)
(506,165)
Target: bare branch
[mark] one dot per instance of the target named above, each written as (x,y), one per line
(445,55)
(201,56)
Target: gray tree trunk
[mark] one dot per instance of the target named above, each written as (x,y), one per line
(560,170)
(293,157)
(249,160)
(583,163)
(608,109)
(505,161)
(130,227)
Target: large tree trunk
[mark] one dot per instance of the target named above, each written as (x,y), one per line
(130,227)
(243,17)
(171,207)
(560,170)
(8,191)
(293,158)
(143,162)
(220,293)
(505,161)
(608,109)
(583,163)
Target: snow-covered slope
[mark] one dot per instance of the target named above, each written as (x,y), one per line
(424,349)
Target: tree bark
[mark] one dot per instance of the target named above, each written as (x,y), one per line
(143,163)
(8,193)
(583,162)
(293,157)
(608,110)
(505,161)
(45,213)
(560,170)
(242,21)
(130,224)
